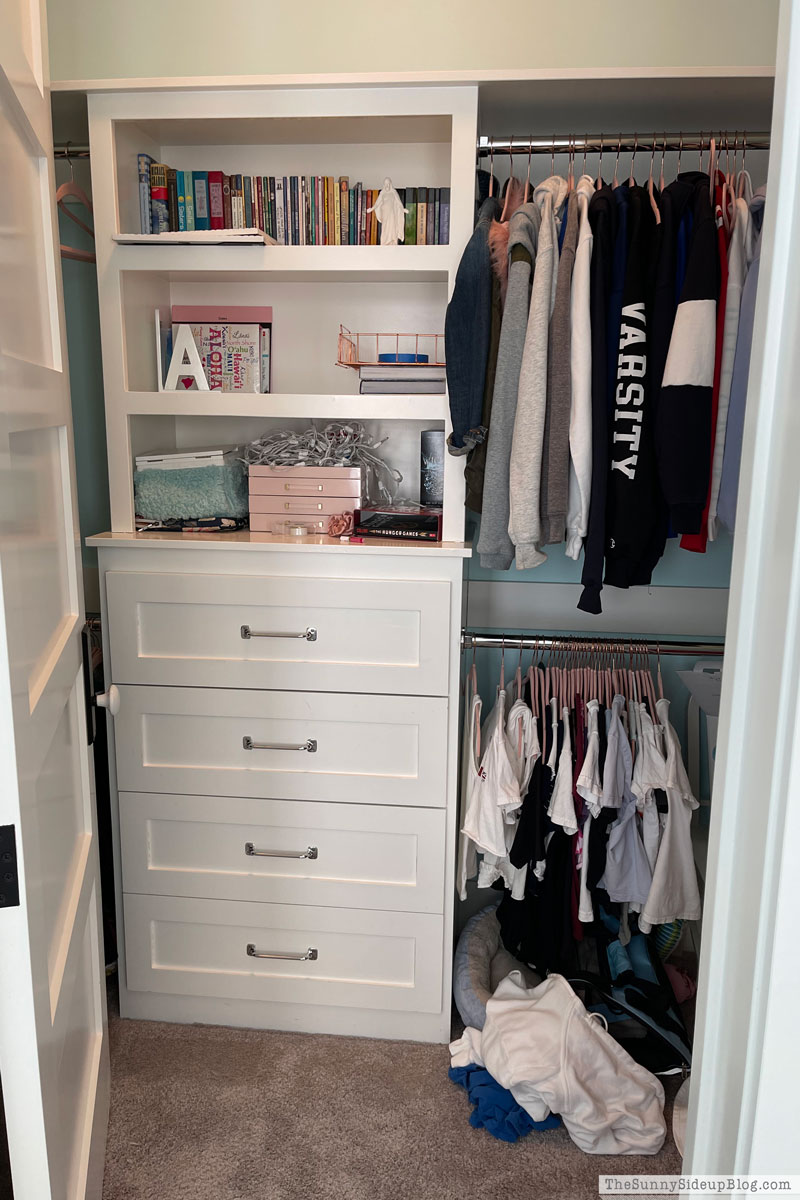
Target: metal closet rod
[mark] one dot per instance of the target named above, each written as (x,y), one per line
(625,142)
(481,641)
(70,150)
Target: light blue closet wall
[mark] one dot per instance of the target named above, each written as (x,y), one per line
(83,348)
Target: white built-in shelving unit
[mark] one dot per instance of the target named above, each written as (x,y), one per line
(416,136)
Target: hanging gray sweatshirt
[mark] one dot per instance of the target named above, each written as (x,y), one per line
(525,471)
(494,545)
(555,451)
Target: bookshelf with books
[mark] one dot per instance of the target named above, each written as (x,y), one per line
(420,138)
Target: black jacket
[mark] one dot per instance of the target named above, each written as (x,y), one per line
(633,502)
(602,218)
(467,330)
(683,417)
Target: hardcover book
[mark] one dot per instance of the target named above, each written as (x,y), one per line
(227,216)
(158,198)
(189,199)
(444,216)
(201,211)
(145,215)
(172,198)
(180,186)
(422,216)
(280,212)
(248,203)
(343,197)
(216,206)
(287,212)
(411,217)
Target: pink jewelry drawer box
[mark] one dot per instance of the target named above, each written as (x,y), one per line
(306,481)
(306,505)
(311,494)
(271,523)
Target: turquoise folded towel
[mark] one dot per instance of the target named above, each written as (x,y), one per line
(218,491)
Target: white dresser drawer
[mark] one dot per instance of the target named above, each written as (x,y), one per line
(367,749)
(353,855)
(372,635)
(373,960)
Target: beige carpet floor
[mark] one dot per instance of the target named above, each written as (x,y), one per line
(209,1113)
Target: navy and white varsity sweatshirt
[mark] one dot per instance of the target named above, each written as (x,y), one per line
(683,418)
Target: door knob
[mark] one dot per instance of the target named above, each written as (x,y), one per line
(109,700)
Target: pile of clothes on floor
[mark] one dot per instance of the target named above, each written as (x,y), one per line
(540,1053)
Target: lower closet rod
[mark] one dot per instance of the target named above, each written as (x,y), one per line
(479,641)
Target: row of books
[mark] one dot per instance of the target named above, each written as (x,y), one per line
(295,210)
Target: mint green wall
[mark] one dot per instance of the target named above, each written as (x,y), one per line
(86,381)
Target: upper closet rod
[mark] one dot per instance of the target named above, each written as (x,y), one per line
(70,150)
(478,641)
(625,142)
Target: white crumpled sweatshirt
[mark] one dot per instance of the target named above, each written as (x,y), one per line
(554,1056)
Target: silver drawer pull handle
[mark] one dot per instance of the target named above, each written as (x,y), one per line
(311,852)
(308,635)
(310,746)
(311,954)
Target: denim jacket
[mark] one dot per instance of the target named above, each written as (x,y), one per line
(466,335)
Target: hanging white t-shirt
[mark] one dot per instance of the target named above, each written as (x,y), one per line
(649,774)
(498,788)
(589,785)
(470,783)
(674,893)
(561,809)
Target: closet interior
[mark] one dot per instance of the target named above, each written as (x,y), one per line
(349,762)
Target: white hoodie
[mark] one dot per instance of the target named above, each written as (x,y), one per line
(580,418)
(525,474)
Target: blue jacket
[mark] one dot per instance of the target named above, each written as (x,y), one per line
(466,335)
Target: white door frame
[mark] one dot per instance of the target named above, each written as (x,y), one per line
(743,1102)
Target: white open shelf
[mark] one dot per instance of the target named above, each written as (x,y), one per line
(309,264)
(287,405)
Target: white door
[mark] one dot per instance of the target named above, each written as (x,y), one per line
(53,1045)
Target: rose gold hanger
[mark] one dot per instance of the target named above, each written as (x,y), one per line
(73,191)
(651,185)
(509,185)
(528,188)
(616,161)
(631,179)
(741,183)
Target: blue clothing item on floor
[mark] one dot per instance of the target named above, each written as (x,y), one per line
(494,1108)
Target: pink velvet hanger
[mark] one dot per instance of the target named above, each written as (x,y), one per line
(71,189)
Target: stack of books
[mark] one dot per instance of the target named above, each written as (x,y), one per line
(234,343)
(402,379)
(295,210)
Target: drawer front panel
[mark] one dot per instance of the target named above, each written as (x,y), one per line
(369,749)
(372,635)
(303,505)
(365,856)
(375,960)
(261,485)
